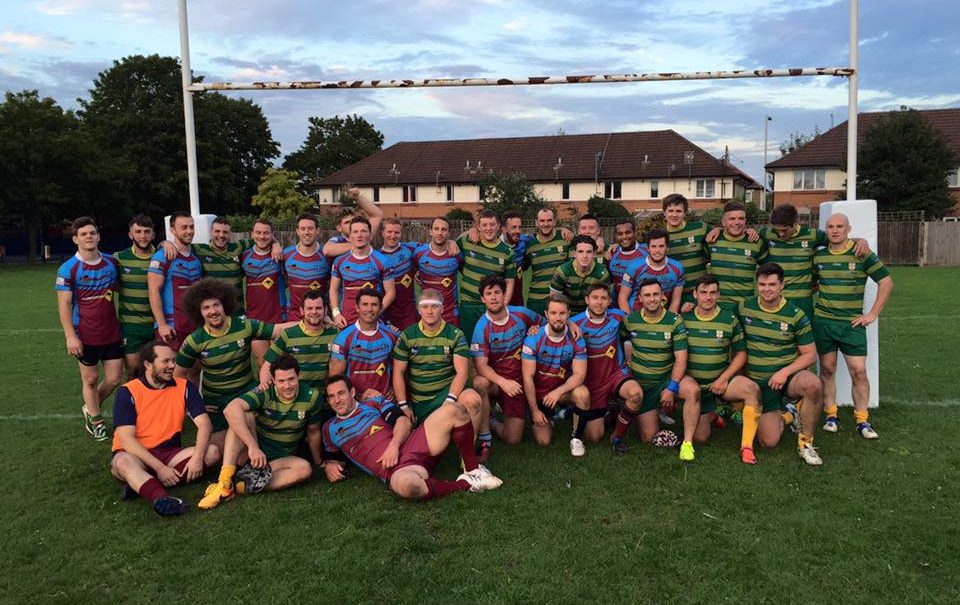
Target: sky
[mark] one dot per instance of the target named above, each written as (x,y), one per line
(909,55)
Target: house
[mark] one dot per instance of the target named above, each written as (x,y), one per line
(816,172)
(429,178)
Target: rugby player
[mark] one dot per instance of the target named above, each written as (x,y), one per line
(362,267)
(491,256)
(437,268)
(572,278)
(221,347)
(340,244)
(589,225)
(266,426)
(377,437)
(686,244)
(625,252)
(362,350)
(265,285)
(85,287)
(840,323)
(780,348)
(399,255)
(658,266)
(148,416)
(437,356)
(495,348)
(716,354)
(607,375)
(734,258)
(548,249)
(658,361)
(554,366)
(305,267)
(168,280)
(309,341)
(136,320)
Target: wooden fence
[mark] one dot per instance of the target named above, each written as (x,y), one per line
(941,243)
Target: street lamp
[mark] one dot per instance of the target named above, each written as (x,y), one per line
(766,180)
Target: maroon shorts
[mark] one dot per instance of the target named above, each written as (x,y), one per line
(402,315)
(513,407)
(416,452)
(545,384)
(602,393)
(165,455)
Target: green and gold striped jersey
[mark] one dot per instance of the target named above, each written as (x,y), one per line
(429,358)
(795,255)
(773,336)
(311,350)
(225,358)
(686,247)
(842,279)
(224,264)
(711,342)
(542,257)
(654,343)
(483,259)
(134,299)
(568,281)
(281,424)
(733,261)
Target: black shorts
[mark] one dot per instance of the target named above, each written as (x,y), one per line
(94,354)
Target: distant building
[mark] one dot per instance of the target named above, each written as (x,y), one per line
(637,169)
(815,173)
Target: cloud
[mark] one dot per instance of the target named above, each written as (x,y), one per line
(31,42)
(60,8)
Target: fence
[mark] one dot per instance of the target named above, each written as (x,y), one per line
(941,244)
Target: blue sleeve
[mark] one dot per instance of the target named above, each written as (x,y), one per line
(194,401)
(529,350)
(158,263)
(64,281)
(338,348)
(124,410)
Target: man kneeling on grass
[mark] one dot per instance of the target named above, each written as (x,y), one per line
(265,428)
(148,415)
(375,435)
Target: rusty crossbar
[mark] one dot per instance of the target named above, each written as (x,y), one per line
(843,72)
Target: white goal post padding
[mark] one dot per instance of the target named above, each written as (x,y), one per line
(202,224)
(863,223)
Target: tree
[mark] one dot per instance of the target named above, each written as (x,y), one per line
(459,214)
(278,197)
(903,164)
(797,139)
(135,115)
(332,144)
(601,207)
(510,192)
(45,163)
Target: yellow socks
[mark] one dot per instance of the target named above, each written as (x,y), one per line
(226,474)
(803,440)
(787,418)
(861,417)
(830,412)
(751,420)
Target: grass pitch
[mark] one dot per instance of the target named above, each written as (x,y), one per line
(876,524)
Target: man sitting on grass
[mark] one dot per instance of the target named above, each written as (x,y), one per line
(148,415)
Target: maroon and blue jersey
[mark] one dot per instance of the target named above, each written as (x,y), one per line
(439,271)
(621,261)
(178,275)
(403,311)
(604,350)
(362,435)
(356,273)
(671,276)
(500,343)
(266,299)
(554,358)
(367,356)
(93,286)
(303,274)
(518,253)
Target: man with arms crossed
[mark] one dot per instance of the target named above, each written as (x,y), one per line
(717,352)
(85,286)
(554,366)
(266,426)
(839,321)
(780,348)
(437,356)
(658,341)
(376,436)
(167,282)
(148,415)
(363,350)
(607,375)
(437,267)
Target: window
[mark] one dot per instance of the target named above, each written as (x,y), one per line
(654,189)
(613,190)
(376,194)
(565,191)
(809,179)
(953,178)
(449,193)
(706,187)
(410,194)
